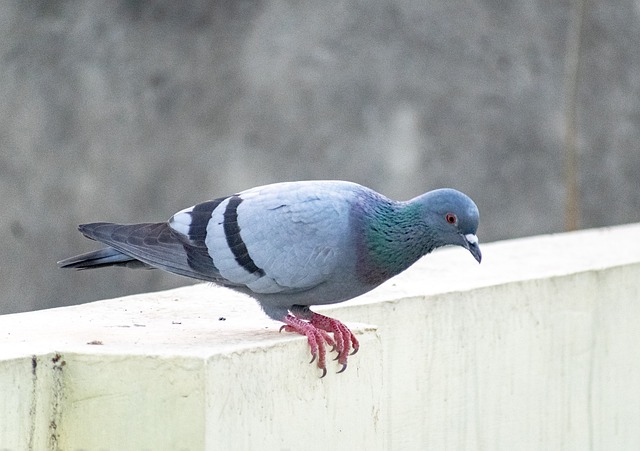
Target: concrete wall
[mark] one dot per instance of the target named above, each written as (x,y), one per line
(534,349)
(131,110)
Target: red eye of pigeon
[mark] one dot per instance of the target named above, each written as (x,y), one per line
(451,218)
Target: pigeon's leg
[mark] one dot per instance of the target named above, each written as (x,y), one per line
(317,338)
(345,340)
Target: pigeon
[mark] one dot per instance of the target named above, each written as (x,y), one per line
(293,245)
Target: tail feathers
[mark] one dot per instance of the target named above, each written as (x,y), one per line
(100,259)
(147,245)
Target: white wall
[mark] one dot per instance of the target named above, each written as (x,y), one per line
(534,349)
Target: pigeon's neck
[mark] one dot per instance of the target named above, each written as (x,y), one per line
(394,237)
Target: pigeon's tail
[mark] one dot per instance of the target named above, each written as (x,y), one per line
(108,256)
(148,245)
(100,259)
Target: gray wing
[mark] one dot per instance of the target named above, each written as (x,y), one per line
(279,238)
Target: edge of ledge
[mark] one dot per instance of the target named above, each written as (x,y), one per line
(203,319)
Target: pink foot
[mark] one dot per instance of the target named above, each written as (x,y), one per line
(345,340)
(317,339)
(317,332)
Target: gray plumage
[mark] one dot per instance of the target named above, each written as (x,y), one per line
(294,244)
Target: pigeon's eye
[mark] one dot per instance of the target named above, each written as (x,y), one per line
(451,218)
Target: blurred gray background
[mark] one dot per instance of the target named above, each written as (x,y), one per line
(131,110)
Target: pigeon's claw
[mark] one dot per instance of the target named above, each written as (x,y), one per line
(318,339)
(317,330)
(344,338)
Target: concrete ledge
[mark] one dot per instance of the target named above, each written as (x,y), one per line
(534,349)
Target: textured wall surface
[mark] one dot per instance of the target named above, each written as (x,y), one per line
(509,355)
(128,111)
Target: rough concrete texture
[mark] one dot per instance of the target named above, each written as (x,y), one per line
(131,110)
(514,354)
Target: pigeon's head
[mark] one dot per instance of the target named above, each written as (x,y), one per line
(454,216)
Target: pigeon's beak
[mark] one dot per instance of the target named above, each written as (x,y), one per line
(472,246)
